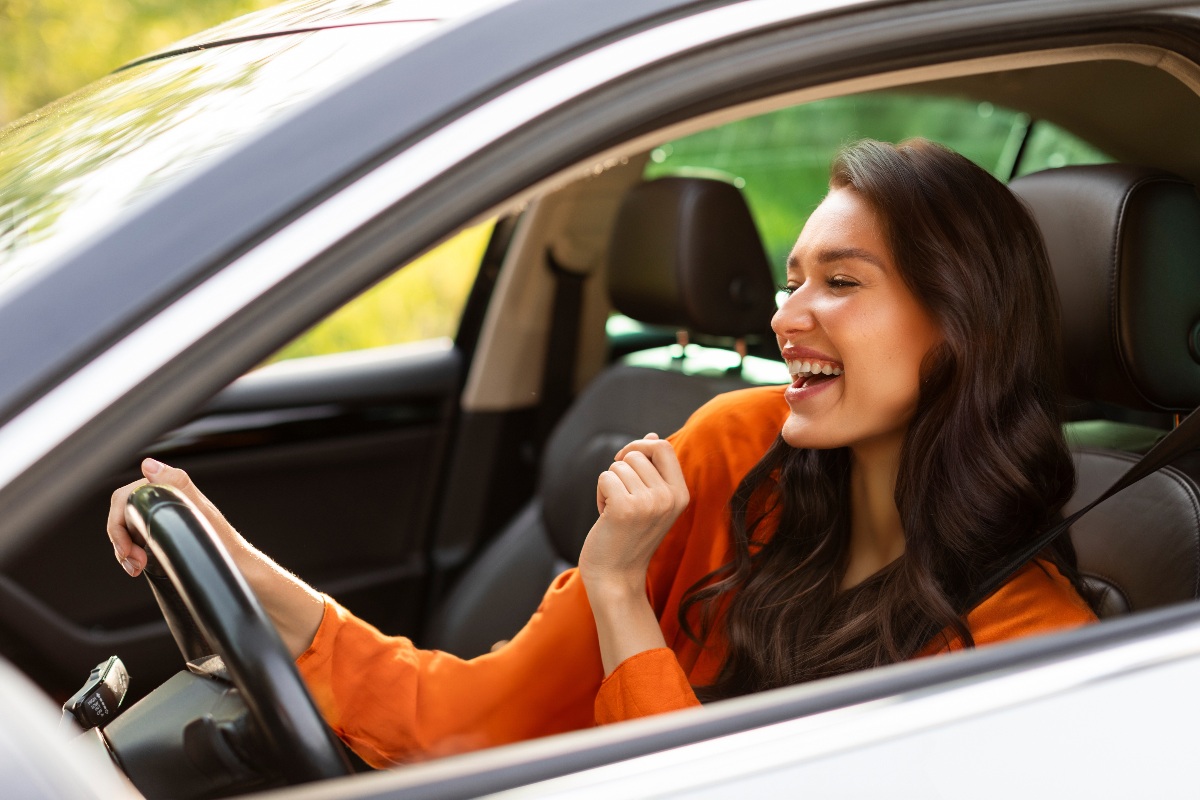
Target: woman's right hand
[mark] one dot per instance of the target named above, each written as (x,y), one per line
(131,554)
(638,499)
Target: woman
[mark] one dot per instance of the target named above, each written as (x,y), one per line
(785,533)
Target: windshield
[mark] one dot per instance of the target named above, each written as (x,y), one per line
(68,170)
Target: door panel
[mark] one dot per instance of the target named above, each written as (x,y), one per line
(329,464)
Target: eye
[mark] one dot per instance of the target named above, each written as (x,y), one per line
(841,282)
(785,290)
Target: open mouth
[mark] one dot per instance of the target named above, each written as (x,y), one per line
(816,380)
(809,374)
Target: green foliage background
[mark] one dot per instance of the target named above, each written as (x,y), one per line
(781,160)
(51,47)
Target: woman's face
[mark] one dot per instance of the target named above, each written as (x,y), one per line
(853,335)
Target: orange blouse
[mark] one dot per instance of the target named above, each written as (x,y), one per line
(392,702)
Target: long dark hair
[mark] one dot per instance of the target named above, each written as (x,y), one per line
(983,466)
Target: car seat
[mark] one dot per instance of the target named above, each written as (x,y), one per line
(1124,244)
(685,253)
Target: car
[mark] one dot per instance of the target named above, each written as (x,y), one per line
(166,232)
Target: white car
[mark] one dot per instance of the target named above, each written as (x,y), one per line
(167,230)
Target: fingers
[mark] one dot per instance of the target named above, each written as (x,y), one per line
(631,479)
(645,468)
(633,488)
(176,478)
(634,445)
(130,554)
(158,472)
(661,454)
(128,547)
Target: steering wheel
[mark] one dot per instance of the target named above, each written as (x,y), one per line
(211,609)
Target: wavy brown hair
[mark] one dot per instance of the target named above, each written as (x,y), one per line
(983,465)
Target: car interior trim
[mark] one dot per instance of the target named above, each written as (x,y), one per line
(502,377)
(168,246)
(1183,70)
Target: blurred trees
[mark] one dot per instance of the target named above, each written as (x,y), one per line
(49,48)
(780,160)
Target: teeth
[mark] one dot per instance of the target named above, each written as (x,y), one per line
(797,368)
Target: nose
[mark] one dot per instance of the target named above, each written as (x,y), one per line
(794,315)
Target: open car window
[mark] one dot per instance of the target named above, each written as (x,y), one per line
(422,300)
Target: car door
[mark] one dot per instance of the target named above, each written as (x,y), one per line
(330,457)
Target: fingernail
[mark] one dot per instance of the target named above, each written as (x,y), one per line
(152,467)
(129,567)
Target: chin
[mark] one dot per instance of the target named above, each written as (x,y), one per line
(801,436)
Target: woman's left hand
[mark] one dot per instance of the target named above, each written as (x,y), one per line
(639,497)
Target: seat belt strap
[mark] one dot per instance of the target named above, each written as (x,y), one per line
(558,377)
(1183,439)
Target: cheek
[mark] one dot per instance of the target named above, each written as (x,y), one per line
(893,349)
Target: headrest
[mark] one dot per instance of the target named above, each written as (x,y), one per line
(1124,243)
(685,253)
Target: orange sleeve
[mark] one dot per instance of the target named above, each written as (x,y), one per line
(1038,599)
(393,702)
(719,444)
(650,682)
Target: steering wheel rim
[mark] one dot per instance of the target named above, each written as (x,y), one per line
(225,613)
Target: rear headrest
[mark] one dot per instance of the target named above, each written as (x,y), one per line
(685,253)
(1124,243)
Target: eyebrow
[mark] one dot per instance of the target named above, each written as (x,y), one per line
(840,254)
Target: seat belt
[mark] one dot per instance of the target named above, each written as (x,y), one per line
(1183,439)
(558,376)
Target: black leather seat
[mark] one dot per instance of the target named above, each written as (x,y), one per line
(685,253)
(1124,243)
